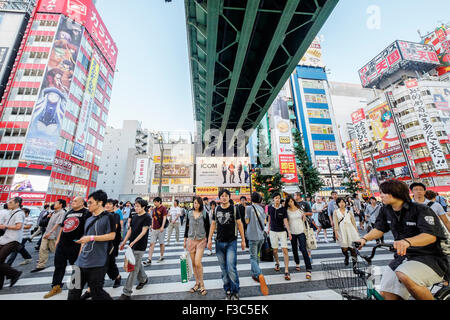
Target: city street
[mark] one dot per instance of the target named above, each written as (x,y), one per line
(165,281)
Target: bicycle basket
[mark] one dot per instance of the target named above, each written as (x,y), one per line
(348,281)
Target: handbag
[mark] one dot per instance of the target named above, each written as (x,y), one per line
(311,242)
(324,220)
(266,250)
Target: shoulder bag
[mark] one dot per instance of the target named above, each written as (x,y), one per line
(311,242)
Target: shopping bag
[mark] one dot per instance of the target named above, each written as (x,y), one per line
(311,242)
(130,261)
(186,267)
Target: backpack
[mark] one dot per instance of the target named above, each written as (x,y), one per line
(445,244)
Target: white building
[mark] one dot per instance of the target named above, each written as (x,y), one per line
(121,149)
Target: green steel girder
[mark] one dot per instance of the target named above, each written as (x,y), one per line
(243,51)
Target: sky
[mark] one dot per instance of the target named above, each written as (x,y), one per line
(153,82)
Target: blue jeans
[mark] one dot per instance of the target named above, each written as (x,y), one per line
(255,251)
(299,242)
(226,253)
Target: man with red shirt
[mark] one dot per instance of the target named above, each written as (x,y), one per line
(159,218)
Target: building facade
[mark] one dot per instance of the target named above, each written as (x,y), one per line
(121,149)
(56,104)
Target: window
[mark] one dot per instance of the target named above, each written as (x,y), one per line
(110,79)
(84,61)
(318,113)
(99,95)
(101,83)
(312,84)
(321,129)
(315,98)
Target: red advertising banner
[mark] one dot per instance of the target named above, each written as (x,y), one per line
(85,13)
(358,116)
(288,168)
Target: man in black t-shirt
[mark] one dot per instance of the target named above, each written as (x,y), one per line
(241,210)
(419,262)
(138,236)
(66,248)
(111,267)
(227,221)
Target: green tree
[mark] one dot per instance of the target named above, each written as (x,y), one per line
(351,182)
(308,175)
(266,184)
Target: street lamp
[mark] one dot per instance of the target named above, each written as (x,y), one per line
(161,148)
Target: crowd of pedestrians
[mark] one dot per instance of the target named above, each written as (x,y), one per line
(89,236)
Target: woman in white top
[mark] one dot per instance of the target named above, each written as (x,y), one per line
(297,220)
(345,229)
(318,207)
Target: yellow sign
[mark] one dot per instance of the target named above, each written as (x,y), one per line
(285,140)
(207,191)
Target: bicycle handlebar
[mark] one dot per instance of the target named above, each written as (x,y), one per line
(357,244)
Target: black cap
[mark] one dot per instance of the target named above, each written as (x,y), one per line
(417,184)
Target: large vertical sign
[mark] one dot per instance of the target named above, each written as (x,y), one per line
(79,146)
(288,168)
(283,140)
(433,144)
(45,125)
(141,174)
(383,127)
(359,123)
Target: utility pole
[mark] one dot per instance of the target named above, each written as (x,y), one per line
(331,174)
(161,148)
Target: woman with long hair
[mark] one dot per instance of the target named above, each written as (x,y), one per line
(195,239)
(297,218)
(345,229)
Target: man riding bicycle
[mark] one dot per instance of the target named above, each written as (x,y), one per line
(413,225)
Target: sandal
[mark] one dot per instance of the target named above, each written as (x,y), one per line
(297,268)
(203,291)
(277,267)
(287,276)
(308,275)
(195,288)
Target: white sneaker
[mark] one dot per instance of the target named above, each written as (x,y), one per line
(161,259)
(26,261)
(326,241)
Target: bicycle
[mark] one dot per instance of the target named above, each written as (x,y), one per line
(357,282)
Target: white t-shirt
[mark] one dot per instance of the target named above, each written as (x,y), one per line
(173,212)
(295,221)
(4,214)
(27,232)
(436,207)
(318,206)
(11,220)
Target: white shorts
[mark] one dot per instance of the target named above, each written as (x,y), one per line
(417,271)
(158,236)
(278,236)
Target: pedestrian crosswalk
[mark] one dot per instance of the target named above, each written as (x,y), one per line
(165,280)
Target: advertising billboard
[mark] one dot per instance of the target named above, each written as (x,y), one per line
(173,170)
(441,98)
(313,56)
(141,174)
(440,40)
(79,145)
(360,125)
(399,54)
(85,13)
(288,168)
(335,165)
(11,24)
(222,172)
(45,125)
(383,127)
(431,138)
(30,180)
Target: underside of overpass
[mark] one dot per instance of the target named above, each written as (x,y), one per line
(243,51)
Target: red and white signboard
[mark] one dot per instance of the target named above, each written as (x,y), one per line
(84,12)
(141,176)
(358,116)
(288,168)
(28,195)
